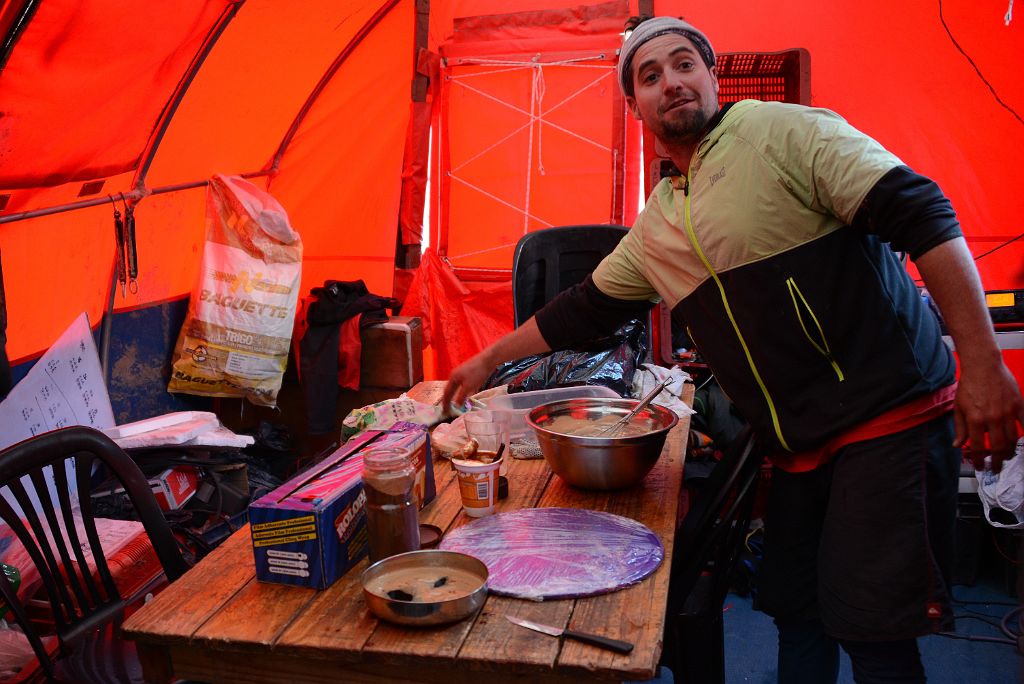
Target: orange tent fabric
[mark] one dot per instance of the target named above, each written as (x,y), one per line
(111,71)
(144,101)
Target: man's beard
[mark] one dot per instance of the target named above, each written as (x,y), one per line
(684,126)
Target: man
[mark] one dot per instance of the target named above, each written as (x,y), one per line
(771,247)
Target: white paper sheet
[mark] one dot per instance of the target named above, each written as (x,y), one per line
(65,387)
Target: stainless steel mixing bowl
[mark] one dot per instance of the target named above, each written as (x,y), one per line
(424,613)
(612,462)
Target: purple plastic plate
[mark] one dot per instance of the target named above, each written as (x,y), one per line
(555,553)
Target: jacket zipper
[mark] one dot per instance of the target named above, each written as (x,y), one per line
(798,298)
(691,234)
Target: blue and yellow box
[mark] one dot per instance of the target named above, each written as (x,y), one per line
(312,529)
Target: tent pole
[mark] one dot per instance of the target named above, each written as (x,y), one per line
(179,93)
(136,195)
(105,330)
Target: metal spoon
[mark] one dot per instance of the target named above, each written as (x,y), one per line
(648,398)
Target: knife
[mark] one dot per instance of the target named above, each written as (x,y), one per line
(592,639)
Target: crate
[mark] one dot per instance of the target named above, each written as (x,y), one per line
(769,76)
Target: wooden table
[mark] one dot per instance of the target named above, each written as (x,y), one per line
(218,624)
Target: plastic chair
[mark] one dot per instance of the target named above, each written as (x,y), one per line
(551,260)
(708,545)
(87,611)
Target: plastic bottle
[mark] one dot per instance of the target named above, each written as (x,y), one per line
(392,508)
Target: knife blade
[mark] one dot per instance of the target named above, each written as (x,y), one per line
(592,639)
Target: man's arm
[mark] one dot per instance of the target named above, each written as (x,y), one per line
(988,400)
(470,375)
(576,315)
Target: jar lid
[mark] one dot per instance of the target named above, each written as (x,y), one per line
(383,458)
(430,536)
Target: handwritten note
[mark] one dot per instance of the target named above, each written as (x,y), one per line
(65,387)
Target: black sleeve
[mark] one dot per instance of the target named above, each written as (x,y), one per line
(583,313)
(909,211)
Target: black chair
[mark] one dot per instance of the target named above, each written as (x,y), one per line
(87,611)
(551,260)
(707,547)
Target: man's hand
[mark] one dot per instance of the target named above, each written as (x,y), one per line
(988,404)
(988,400)
(470,375)
(466,379)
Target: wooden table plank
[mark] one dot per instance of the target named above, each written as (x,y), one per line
(274,668)
(254,617)
(427,392)
(336,620)
(495,641)
(183,607)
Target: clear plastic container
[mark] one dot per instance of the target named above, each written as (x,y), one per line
(517,405)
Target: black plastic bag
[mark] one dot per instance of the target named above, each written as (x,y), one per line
(609,361)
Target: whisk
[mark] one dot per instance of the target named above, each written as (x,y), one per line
(648,398)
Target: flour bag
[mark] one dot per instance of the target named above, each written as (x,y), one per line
(235,339)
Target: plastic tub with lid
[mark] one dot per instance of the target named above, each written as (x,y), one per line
(517,405)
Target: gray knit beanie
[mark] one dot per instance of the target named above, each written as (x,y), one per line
(652,28)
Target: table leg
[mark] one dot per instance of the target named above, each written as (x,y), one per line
(156,663)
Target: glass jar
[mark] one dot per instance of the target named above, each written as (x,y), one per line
(392,508)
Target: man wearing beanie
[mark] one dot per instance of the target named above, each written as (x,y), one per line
(774,246)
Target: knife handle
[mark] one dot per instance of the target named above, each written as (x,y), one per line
(603,642)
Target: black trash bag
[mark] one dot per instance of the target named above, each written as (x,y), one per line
(274,449)
(608,361)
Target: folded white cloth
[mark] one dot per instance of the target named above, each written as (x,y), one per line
(649,375)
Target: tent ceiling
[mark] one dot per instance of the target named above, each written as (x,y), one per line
(73,108)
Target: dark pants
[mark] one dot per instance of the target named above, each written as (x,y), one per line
(858,554)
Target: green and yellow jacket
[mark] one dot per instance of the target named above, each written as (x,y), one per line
(776,251)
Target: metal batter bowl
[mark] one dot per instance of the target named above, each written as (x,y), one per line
(611,462)
(425,613)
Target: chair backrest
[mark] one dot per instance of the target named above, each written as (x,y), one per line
(79,602)
(714,528)
(550,260)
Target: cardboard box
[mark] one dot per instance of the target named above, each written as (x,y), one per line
(312,529)
(172,488)
(392,353)
(175,486)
